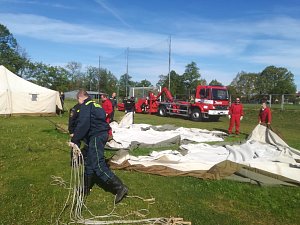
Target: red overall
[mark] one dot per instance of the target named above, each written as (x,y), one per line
(235,111)
(265,116)
(108,108)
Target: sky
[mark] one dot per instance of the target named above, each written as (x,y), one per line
(147,37)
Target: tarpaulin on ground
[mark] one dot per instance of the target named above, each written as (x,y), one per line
(127,135)
(264,159)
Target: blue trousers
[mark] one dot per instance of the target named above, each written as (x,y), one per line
(95,160)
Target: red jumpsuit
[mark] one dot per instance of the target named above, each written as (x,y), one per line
(265,116)
(108,108)
(235,111)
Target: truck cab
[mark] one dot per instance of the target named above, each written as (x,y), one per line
(211,102)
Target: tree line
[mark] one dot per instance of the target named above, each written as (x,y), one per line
(272,80)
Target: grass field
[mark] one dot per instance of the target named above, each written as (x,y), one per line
(32,151)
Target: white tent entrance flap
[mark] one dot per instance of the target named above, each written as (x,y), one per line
(18,96)
(264,158)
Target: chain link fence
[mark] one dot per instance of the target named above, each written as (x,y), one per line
(276,101)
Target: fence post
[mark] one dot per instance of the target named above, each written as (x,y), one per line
(282,101)
(270,97)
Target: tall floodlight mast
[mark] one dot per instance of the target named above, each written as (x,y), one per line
(169,63)
(99,75)
(126,75)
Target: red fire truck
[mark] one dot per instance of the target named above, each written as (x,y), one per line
(210,103)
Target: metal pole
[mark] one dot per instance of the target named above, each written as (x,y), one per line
(143,92)
(99,74)
(118,91)
(126,75)
(170,64)
(160,92)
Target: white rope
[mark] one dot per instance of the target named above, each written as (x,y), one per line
(58,181)
(76,197)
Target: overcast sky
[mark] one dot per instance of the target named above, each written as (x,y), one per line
(224,37)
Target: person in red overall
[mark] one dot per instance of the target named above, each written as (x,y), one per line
(108,108)
(265,115)
(235,115)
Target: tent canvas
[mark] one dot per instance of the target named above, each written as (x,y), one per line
(264,158)
(18,96)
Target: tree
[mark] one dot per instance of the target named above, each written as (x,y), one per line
(59,77)
(55,78)
(191,76)
(232,91)
(75,74)
(215,82)
(92,79)
(245,85)
(176,83)
(162,80)
(177,86)
(276,80)
(143,83)
(124,83)
(112,82)
(12,56)
(107,81)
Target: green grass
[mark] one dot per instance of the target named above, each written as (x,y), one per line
(32,151)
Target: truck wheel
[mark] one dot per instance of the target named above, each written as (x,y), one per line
(196,115)
(162,110)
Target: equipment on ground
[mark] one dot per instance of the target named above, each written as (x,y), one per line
(210,103)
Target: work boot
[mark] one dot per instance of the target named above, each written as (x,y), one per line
(118,188)
(89,182)
(122,192)
(101,184)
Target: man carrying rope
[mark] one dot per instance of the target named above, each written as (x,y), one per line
(92,127)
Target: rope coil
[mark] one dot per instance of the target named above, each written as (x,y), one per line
(76,199)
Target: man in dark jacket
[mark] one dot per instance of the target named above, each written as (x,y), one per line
(92,127)
(114,103)
(129,105)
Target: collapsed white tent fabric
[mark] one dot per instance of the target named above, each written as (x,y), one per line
(18,96)
(263,151)
(125,134)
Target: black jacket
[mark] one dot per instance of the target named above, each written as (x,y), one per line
(113,102)
(91,121)
(73,116)
(129,105)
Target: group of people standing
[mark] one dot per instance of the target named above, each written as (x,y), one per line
(236,114)
(89,122)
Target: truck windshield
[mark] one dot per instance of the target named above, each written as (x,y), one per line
(219,94)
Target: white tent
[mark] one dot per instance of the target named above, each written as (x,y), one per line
(18,96)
